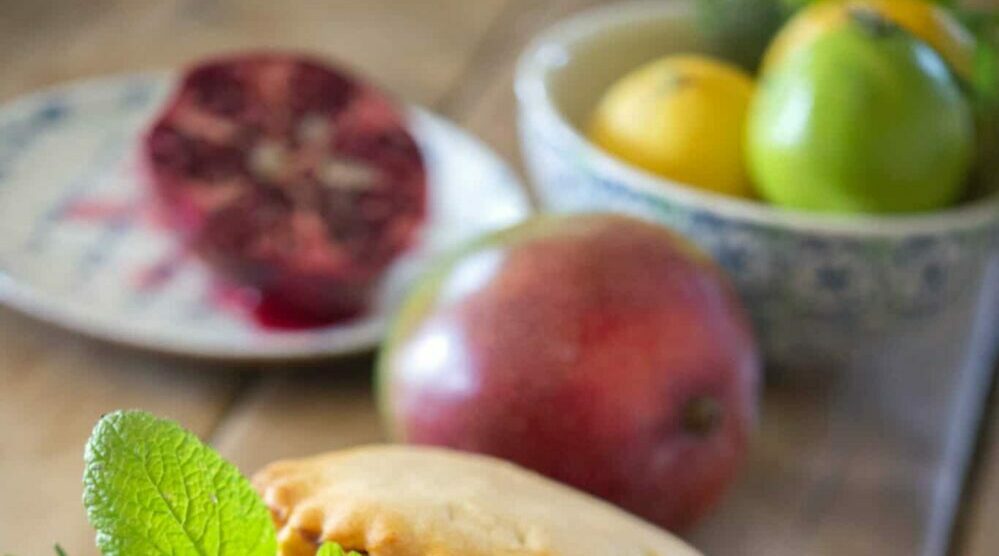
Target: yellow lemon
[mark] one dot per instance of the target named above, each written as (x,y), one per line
(927,21)
(681,117)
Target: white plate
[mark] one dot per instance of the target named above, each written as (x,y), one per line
(74,252)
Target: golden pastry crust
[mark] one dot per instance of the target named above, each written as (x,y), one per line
(417,501)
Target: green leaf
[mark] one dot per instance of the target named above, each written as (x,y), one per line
(741,30)
(984,90)
(985,27)
(333,549)
(59,551)
(150,488)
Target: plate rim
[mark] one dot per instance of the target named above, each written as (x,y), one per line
(364,335)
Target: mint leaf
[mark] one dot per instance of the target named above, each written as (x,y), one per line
(59,551)
(333,549)
(150,488)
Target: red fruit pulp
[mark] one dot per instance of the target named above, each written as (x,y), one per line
(289,176)
(268,312)
(273,314)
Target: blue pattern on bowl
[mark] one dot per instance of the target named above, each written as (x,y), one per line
(818,297)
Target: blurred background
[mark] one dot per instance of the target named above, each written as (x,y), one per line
(820,480)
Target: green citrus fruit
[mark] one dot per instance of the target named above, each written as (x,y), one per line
(925,20)
(865,118)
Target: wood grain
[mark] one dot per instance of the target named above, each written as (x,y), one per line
(53,388)
(482,101)
(827,475)
(300,412)
(397,44)
(54,385)
(978,534)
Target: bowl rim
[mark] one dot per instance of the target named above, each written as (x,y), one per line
(548,52)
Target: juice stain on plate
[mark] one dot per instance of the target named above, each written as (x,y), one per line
(269,312)
(157,275)
(98,211)
(273,314)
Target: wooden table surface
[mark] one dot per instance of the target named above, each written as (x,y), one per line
(817,483)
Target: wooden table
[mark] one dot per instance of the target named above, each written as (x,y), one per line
(814,486)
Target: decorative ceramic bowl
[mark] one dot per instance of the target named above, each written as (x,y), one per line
(825,291)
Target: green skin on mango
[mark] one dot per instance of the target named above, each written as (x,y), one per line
(867,119)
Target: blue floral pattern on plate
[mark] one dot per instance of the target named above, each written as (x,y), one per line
(75,250)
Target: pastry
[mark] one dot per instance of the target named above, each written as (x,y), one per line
(418,501)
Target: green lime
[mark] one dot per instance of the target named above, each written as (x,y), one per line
(864,119)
